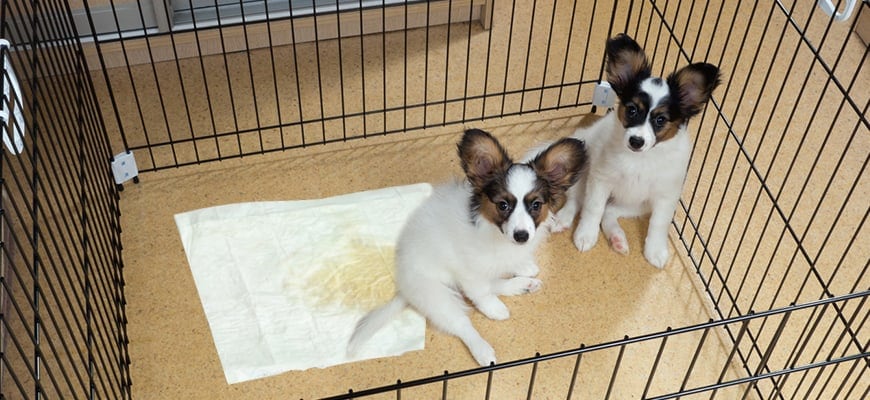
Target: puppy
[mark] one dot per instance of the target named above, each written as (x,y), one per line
(639,153)
(477,239)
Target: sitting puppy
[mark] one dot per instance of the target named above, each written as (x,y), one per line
(477,239)
(639,154)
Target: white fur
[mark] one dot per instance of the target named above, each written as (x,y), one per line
(442,255)
(622,182)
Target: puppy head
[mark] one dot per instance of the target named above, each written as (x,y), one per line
(517,197)
(651,109)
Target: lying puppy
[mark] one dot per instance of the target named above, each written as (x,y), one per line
(477,239)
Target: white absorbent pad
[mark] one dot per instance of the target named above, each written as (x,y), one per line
(283,284)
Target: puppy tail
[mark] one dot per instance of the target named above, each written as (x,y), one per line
(373,322)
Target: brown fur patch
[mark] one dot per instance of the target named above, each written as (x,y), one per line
(489,211)
(671,127)
(670,130)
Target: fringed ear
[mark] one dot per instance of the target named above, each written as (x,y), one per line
(561,163)
(626,63)
(482,157)
(694,84)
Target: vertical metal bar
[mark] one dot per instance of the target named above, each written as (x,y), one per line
(488,384)
(384,60)
(293,46)
(205,83)
(574,373)
(319,70)
(762,364)
(229,81)
(251,77)
(695,358)
(444,381)
(562,84)
(275,72)
(426,70)
(362,62)
(405,81)
(488,26)
(616,366)
(447,62)
(507,58)
(532,378)
(534,12)
(467,61)
(655,365)
(734,350)
(547,58)
(807,334)
(340,39)
(180,78)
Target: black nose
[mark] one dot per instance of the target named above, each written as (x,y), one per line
(521,236)
(635,142)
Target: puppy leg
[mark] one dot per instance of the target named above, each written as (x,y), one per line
(447,312)
(590,216)
(482,294)
(655,247)
(459,325)
(564,218)
(516,285)
(612,230)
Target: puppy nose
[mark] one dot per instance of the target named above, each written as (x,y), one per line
(636,142)
(521,236)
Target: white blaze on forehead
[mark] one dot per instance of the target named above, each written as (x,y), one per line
(521,180)
(657,90)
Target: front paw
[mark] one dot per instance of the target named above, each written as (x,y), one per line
(560,221)
(520,285)
(656,252)
(585,238)
(483,353)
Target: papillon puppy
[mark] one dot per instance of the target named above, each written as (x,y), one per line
(639,153)
(475,240)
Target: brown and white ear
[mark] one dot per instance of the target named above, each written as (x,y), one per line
(482,157)
(626,63)
(561,164)
(694,84)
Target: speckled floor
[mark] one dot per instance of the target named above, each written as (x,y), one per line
(588,298)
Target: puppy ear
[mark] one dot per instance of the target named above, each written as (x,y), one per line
(561,163)
(482,157)
(694,84)
(626,63)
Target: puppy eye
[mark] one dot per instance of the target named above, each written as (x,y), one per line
(536,206)
(630,110)
(503,206)
(660,121)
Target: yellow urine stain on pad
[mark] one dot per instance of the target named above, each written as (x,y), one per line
(361,277)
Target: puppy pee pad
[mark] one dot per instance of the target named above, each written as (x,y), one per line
(283,284)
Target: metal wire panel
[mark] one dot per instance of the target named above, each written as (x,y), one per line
(705,366)
(772,217)
(247,89)
(62,321)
